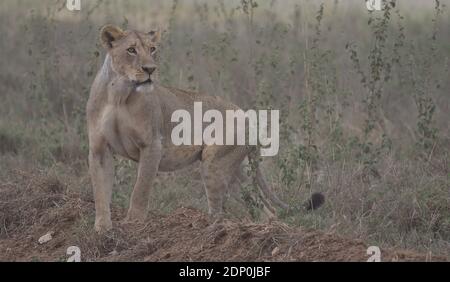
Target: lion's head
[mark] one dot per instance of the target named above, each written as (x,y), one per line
(133,53)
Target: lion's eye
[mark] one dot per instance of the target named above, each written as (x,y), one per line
(152,50)
(131,50)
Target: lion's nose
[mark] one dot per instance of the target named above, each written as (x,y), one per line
(149,70)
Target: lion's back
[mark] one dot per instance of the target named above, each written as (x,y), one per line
(209,101)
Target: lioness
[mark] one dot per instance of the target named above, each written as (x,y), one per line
(129,114)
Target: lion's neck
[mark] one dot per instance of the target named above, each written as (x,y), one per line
(107,74)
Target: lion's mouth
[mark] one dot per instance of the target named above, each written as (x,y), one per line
(147,82)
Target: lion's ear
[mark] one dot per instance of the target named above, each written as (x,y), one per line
(155,35)
(109,34)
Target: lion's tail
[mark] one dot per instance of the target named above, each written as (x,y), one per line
(314,202)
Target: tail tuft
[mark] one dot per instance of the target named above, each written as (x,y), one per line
(317,199)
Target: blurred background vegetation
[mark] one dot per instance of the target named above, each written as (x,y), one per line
(364,100)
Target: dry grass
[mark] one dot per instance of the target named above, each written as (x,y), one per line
(37,203)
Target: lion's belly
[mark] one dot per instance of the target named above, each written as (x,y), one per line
(177,157)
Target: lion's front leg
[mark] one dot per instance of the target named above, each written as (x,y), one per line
(102,174)
(149,160)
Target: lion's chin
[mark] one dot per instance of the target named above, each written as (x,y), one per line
(145,87)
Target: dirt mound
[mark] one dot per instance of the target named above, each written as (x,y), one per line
(34,205)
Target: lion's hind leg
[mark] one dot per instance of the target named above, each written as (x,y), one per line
(219,165)
(240,180)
